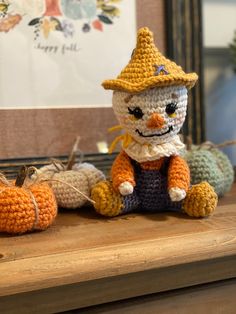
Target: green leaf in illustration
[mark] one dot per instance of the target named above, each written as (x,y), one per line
(34,21)
(105,19)
(113,1)
(108,8)
(57,23)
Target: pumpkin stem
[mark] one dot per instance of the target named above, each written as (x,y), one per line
(226,143)
(58,164)
(189,142)
(72,156)
(20,179)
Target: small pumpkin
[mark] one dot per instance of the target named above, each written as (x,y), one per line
(72,187)
(25,207)
(208,163)
(71,183)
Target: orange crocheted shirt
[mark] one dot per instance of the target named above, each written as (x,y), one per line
(178,175)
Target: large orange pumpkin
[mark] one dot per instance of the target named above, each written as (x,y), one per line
(26,208)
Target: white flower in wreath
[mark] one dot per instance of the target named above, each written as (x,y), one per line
(33,8)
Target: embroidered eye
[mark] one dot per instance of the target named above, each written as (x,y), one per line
(136,112)
(171,108)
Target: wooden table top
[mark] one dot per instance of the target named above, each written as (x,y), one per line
(84,247)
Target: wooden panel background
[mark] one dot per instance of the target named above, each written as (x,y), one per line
(184,46)
(48,132)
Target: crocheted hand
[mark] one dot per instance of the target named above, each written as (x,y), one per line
(177,194)
(126,188)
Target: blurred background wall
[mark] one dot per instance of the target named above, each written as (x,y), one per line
(219,24)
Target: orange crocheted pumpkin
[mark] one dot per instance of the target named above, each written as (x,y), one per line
(26,208)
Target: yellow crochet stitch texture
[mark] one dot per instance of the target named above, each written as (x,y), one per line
(200,201)
(107,201)
(141,72)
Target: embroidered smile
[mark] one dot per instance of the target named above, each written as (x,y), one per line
(155,134)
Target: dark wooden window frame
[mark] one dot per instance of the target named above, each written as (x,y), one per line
(184,46)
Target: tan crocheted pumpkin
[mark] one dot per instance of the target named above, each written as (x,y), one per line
(67,184)
(71,183)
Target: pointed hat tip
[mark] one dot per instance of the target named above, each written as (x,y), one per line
(145,35)
(144,30)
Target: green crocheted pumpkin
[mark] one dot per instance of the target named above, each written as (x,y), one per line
(211,165)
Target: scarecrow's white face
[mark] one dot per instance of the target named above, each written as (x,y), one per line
(153,116)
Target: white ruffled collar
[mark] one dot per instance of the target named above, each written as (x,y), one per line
(150,152)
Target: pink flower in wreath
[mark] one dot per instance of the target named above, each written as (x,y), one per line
(52,8)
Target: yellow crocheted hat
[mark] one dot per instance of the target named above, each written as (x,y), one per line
(149,68)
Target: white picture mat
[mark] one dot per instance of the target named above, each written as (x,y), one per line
(33,78)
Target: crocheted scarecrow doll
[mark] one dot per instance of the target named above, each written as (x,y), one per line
(150,102)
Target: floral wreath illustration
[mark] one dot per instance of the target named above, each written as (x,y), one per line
(58,15)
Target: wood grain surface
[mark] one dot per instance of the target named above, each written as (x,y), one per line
(48,132)
(92,260)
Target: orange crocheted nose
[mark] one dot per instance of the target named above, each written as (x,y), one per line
(155,121)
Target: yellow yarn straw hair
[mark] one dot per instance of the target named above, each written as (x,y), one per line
(126,139)
(115,128)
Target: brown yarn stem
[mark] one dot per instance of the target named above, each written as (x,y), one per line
(211,145)
(206,144)
(4,180)
(56,162)
(21,176)
(31,170)
(226,143)
(72,156)
(189,142)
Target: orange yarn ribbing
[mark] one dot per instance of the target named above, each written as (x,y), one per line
(25,209)
(178,174)
(122,170)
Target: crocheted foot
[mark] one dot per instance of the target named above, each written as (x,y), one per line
(107,201)
(200,201)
